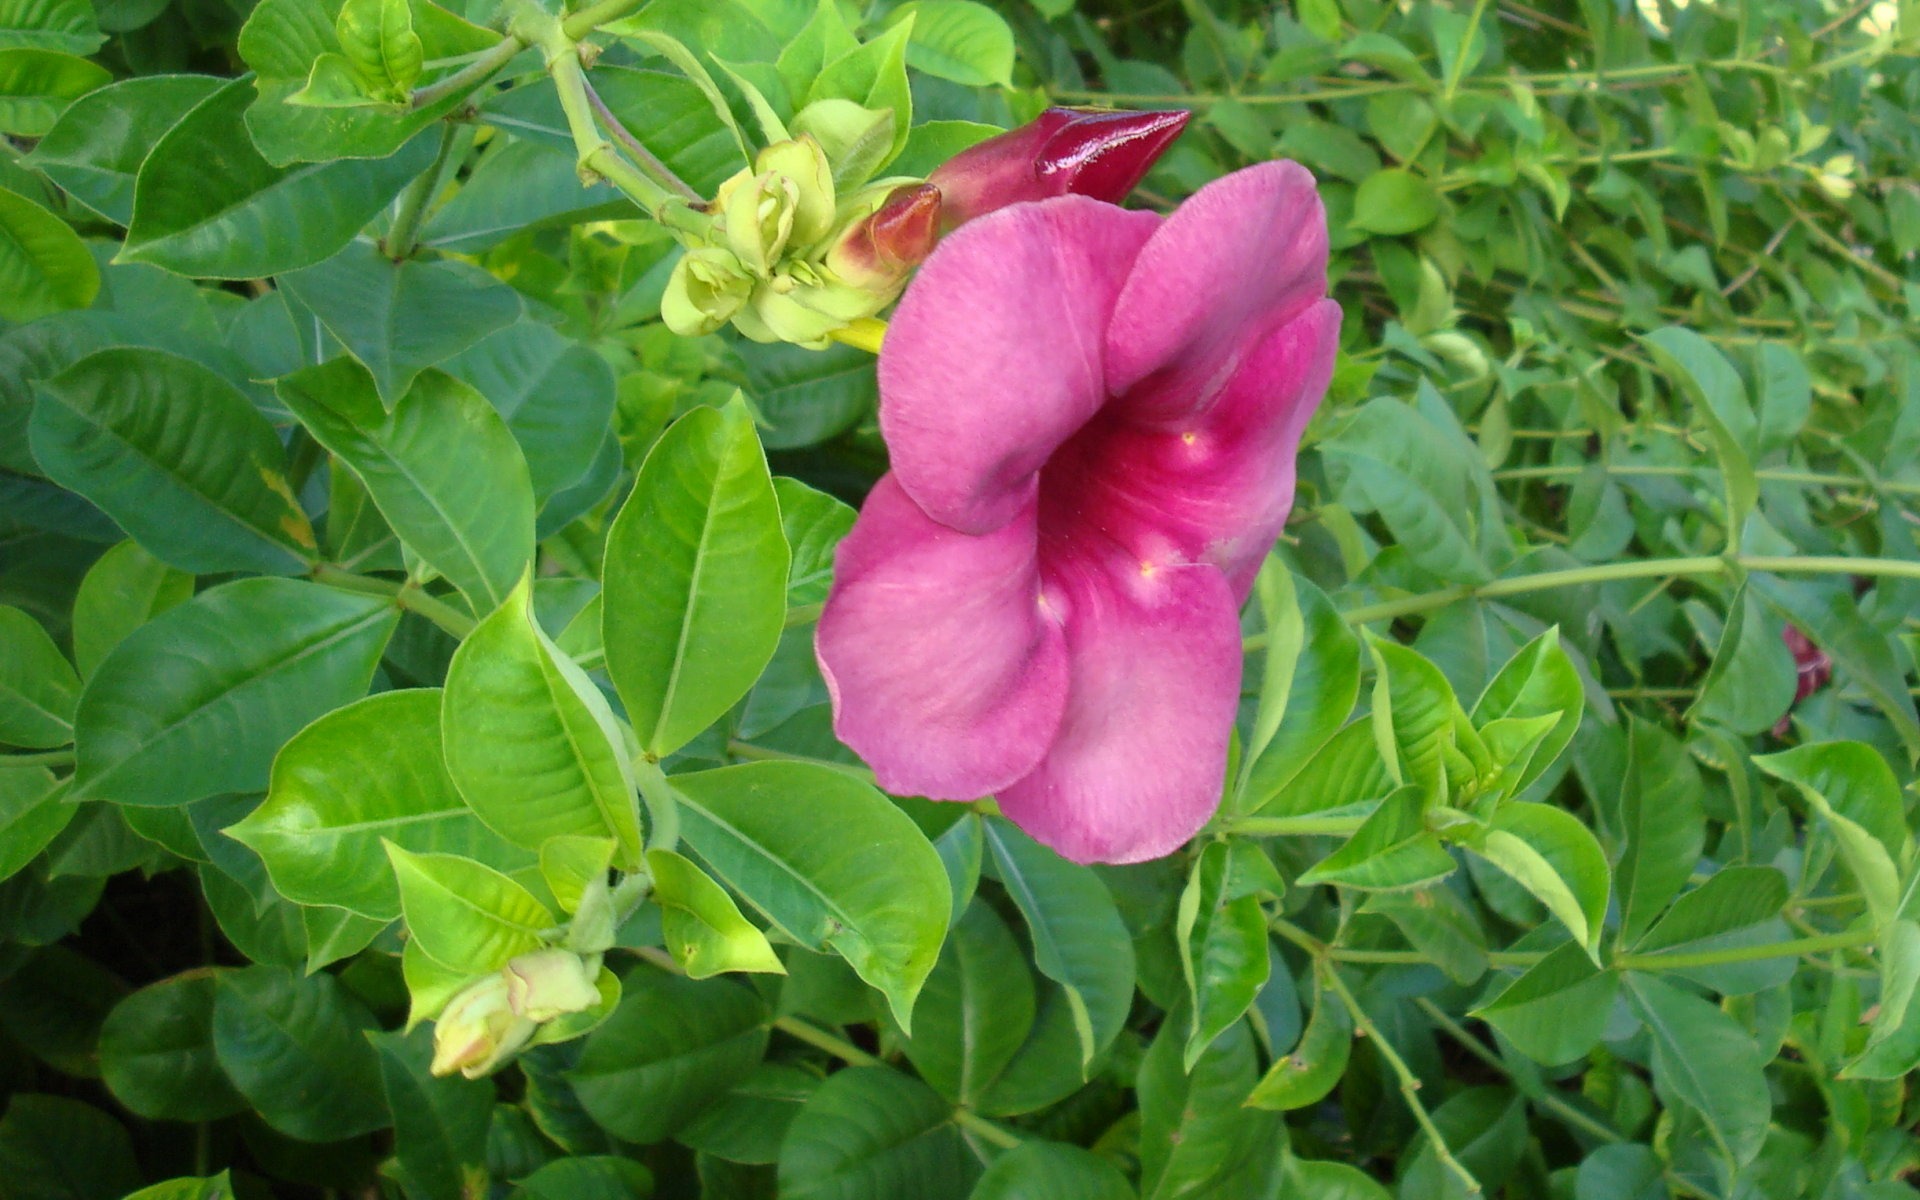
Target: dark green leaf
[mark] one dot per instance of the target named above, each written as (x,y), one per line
(295,1048)
(157,1056)
(871,1133)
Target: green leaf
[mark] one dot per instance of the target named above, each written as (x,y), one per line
(33,811)
(814,523)
(1394,202)
(696,574)
(465,915)
(95,149)
(64,25)
(1347,776)
(36,84)
(178,457)
(441,466)
(1556,858)
(1053,1171)
(1854,791)
(976,1009)
(1079,940)
(211,1187)
(282,41)
(1862,655)
(873,76)
(748,1124)
(157,1056)
(377,38)
(530,741)
(1893,1044)
(44,266)
(1557,1009)
(871,1132)
(1196,1136)
(207,204)
(398,319)
(1538,681)
(1702,1058)
(1712,387)
(1388,457)
(197,701)
(672,1047)
(1662,822)
(1783,395)
(1731,900)
(1751,682)
(1222,930)
(556,395)
(830,861)
(956,39)
(1390,851)
(1310,679)
(521,185)
(296,1049)
(334,933)
(1331,1181)
(61,1149)
(1415,713)
(703,926)
(1310,1072)
(123,590)
(439,1124)
(363,775)
(591,1177)
(1441,925)
(38,687)
(803,396)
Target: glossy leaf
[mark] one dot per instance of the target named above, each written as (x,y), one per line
(38,687)
(1391,850)
(465,915)
(871,1132)
(1310,679)
(1661,819)
(1704,1060)
(555,393)
(696,578)
(363,775)
(1222,929)
(703,926)
(1750,684)
(1539,681)
(1556,1010)
(441,465)
(123,590)
(33,811)
(1311,1070)
(94,151)
(671,1048)
(976,1009)
(157,1055)
(1079,940)
(1854,791)
(748,1124)
(1556,858)
(197,701)
(295,1048)
(829,861)
(1039,1170)
(814,523)
(44,266)
(65,25)
(959,40)
(178,457)
(36,83)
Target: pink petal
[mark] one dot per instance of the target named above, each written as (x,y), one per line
(1215,486)
(1243,254)
(1140,758)
(994,357)
(945,674)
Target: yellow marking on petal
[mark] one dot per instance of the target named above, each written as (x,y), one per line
(1189,438)
(1147,569)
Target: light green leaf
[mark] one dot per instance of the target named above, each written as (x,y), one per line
(400,318)
(874,76)
(670,1049)
(814,523)
(976,1009)
(1391,850)
(123,590)
(1222,931)
(696,574)
(1538,681)
(363,775)
(1731,900)
(441,466)
(1079,940)
(33,811)
(38,687)
(1415,713)
(959,40)
(1854,791)
(196,701)
(530,741)
(377,38)
(211,1187)
(1712,387)
(37,83)
(1751,682)
(207,204)
(178,457)
(64,25)
(1893,1044)
(95,149)
(1662,822)
(1394,202)
(1310,679)
(465,915)
(829,861)
(1346,777)
(44,266)
(1556,858)
(1557,1010)
(1310,1072)
(703,926)
(296,1049)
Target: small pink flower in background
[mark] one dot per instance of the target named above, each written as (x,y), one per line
(1812,669)
(1092,415)
(1063,151)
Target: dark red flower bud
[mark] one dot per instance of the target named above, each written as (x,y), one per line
(1809,661)
(880,250)
(1063,151)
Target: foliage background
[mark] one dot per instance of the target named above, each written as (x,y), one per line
(1630,301)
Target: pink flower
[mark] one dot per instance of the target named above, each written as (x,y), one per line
(1092,415)
(1063,151)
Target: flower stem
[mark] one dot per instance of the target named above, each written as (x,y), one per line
(471,76)
(643,158)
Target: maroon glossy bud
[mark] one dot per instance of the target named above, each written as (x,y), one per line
(880,250)
(1809,661)
(1063,151)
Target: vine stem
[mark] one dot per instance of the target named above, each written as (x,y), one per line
(45,758)
(1532,1088)
(471,76)
(1808,478)
(408,595)
(1409,1082)
(404,234)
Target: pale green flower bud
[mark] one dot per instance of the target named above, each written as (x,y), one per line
(550,983)
(707,287)
(479,1029)
(805,305)
(804,164)
(856,139)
